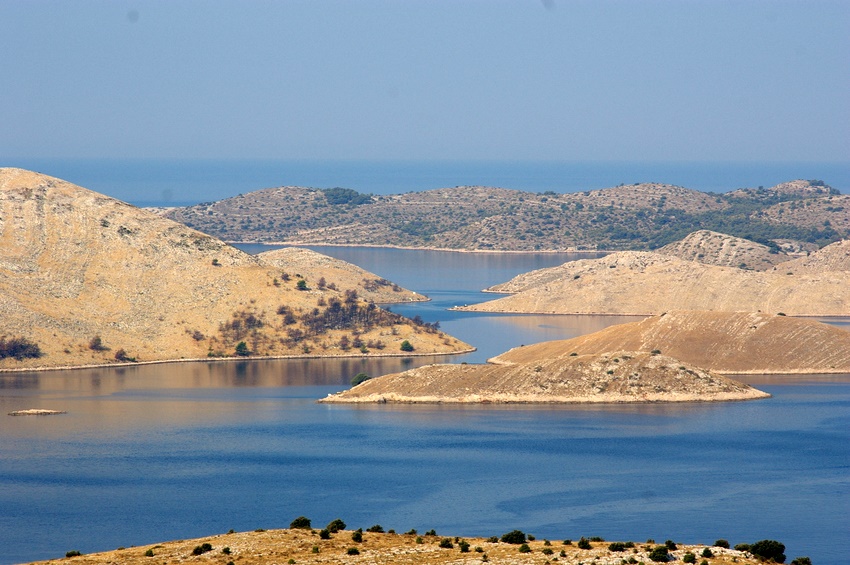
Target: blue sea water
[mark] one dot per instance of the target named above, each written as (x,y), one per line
(151,453)
(180,182)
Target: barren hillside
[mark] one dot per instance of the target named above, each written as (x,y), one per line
(712,248)
(89,280)
(723,342)
(313,266)
(618,376)
(631,282)
(833,257)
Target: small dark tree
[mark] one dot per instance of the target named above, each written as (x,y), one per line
(359,378)
(722,543)
(321,283)
(768,549)
(242,349)
(801,561)
(357,536)
(659,554)
(524,548)
(96,344)
(689,558)
(123,357)
(584,543)
(376,529)
(335,526)
(324,534)
(301,285)
(406,346)
(707,553)
(19,347)
(514,536)
(300,523)
(446,543)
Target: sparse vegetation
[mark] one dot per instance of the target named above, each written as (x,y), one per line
(514,536)
(19,348)
(406,346)
(301,522)
(96,344)
(335,526)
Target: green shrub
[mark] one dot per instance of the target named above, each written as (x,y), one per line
(689,558)
(479,549)
(524,548)
(315,549)
(418,539)
(357,536)
(431,533)
(242,349)
(801,561)
(547,551)
(149,553)
(768,549)
(492,539)
(225,550)
(722,543)
(359,378)
(73,553)
(742,547)
(617,546)
(446,543)
(324,534)
(376,529)
(568,542)
(406,346)
(335,526)
(671,545)
(531,537)
(201,549)
(19,347)
(300,523)
(301,285)
(353,551)
(584,543)
(514,536)
(707,553)
(464,546)
(659,554)
(596,538)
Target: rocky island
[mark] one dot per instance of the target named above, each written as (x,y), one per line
(88,280)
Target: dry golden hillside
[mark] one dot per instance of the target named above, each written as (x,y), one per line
(305,546)
(722,342)
(336,273)
(833,257)
(645,283)
(617,376)
(713,248)
(92,280)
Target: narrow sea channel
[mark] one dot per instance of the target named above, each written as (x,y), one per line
(151,453)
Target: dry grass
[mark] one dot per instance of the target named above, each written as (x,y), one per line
(297,546)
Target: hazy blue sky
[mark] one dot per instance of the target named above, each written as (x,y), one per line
(560,80)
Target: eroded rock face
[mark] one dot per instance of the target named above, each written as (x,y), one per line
(612,377)
(722,342)
(76,265)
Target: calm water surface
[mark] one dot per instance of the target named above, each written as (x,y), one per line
(151,453)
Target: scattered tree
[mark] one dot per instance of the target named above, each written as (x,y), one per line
(406,346)
(300,523)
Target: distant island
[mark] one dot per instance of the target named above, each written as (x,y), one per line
(88,280)
(692,274)
(800,215)
(302,544)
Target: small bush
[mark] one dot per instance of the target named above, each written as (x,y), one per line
(419,539)
(96,344)
(431,533)
(406,346)
(359,378)
(201,549)
(547,551)
(324,534)
(73,553)
(531,537)
(722,543)
(446,543)
(524,548)
(514,536)
(742,547)
(659,554)
(315,549)
(335,525)
(768,549)
(584,543)
(492,539)
(671,545)
(568,542)
(707,553)
(617,546)
(242,350)
(225,550)
(353,551)
(410,532)
(20,348)
(596,538)
(801,561)
(122,357)
(300,523)
(689,558)
(376,529)
(149,553)
(464,546)
(357,536)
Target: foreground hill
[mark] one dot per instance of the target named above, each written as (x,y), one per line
(621,376)
(263,547)
(722,342)
(87,279)
(633,217)
(631,282)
